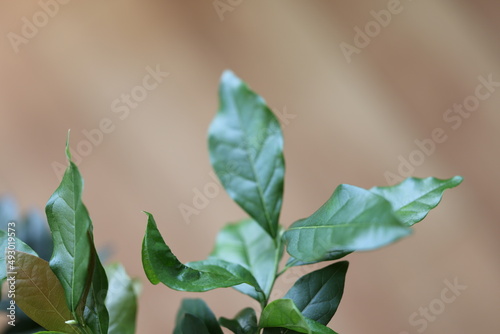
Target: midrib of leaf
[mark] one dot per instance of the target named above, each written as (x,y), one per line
(261,197)
(73,177)
(340,225)
(419,197)
(48,300)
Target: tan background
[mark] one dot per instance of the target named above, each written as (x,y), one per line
(351,123)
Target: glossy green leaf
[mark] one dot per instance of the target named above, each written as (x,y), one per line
(96,314)
(282,313)
(413,198)
(191,324)
(245,322)
(49,332)
(196,308)
(161,265)
(246,151)
(40,294)
(247,244)
(352,219)
(70,226)
(317,295)
(121,301)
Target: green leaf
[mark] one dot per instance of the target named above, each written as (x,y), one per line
(335,255)
(40,294)
(96,314)
(352,219)
(245,322)
(196,308)
(121,301)
(8,246)
(413,198)
(191,324)
(317,295)
(161,265)
(70,226)
(247,244)
(246,151)
(283,313)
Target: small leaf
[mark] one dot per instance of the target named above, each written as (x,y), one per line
(161,265)
(283,313)
(191,324)
(245,322)
(247,244)
(352,219)
(40,294)
(198,309)
(318,294)
(413,198)
(96,314)
(121,301)
(8,246)
(70,226)
(246,151)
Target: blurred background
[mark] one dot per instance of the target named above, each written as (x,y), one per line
(359,86)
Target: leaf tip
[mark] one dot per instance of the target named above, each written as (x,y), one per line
(68,152)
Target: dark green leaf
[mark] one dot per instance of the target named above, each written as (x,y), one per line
(121,301)
(246,151)
(96,315)
(161,265)
(283,313)
(413,198)
(191,324)
(70,226)
(352,219)
(40,294)
(245,322)
(318,294)
(247,244)
(198,309)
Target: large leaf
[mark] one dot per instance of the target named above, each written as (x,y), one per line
(352,219)
(70,226)
(413,198)
(282,313)
(245,322)
(247,244)
(161,265)
(40,294)
(317,295)
(246,151)
(96,314)
(121,301)
(196,308)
